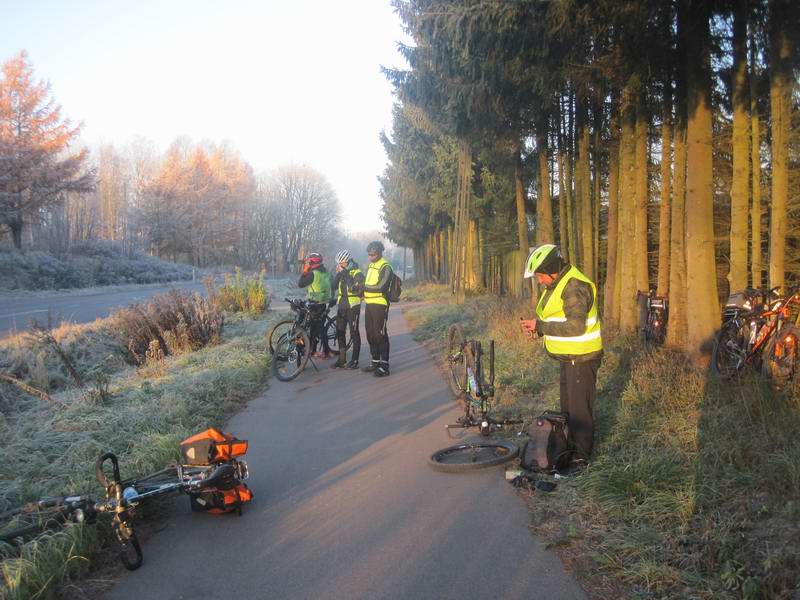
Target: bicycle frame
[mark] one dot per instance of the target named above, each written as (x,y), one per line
(478,397)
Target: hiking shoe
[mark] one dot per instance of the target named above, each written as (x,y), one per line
(353,364)
(381,371)
(370,367)
(338,365)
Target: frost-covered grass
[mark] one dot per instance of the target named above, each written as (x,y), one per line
(694,490)
(88,264)
(49,448)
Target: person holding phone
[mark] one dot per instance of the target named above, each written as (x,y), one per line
(568,320)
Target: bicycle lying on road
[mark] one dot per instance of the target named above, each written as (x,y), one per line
(217,486)
(760,329)
(476,397)
(289,341)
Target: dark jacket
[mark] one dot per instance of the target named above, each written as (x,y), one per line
(578,298)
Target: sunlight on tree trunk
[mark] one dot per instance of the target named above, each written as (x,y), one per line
(740,185)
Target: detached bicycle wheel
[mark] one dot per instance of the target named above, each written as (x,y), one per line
(473,456)
(291,354)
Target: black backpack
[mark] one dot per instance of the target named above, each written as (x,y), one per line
(547,449)
(395,288)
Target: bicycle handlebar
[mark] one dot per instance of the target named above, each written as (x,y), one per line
(100,474)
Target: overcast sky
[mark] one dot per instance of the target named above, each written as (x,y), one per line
(281,80)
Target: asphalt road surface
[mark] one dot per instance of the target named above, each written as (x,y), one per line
(346,506)
(17,313)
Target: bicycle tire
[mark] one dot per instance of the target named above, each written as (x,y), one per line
(333,340)
(456,342)
(472,456)
(272,333)
(293,348)
(725,364)
(781,370)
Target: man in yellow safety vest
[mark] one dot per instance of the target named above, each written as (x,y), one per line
(376,313)
(567,318)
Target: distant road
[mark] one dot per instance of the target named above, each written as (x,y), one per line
(80,307)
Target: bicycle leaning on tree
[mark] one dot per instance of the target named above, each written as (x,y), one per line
(760,329)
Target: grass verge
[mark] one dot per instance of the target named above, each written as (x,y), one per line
(49,447)
(694,491)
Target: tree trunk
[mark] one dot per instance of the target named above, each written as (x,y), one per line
(737,276)
(522,218)
(756,260)
(701,275)
(610,304)
(544,203)
(563,234)
(780,106)
(641,196)
(665,208)
(585,202)
(629,317)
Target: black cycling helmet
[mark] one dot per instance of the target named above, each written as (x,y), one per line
(375,246)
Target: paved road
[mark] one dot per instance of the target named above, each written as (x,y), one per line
(346,507)
(16,313)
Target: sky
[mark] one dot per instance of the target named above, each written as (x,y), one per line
(282,81)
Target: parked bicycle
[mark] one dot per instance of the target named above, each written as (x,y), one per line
(289,341)
(654,314)
(208,487)
(760,329)
(475,395)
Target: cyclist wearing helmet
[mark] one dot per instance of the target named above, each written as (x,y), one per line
(316,278)
(376,313)
(348,284)
(567,318)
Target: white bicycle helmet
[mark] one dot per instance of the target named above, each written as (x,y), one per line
(343,256)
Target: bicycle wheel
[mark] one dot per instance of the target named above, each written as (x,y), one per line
(473,456)
(456,343)
(333,340)
(780,357)
(280,328)
(291,354)
(730,351)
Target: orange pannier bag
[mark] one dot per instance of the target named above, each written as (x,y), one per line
(210,447)
(221,501)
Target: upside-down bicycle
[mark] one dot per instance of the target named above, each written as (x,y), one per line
(475,395)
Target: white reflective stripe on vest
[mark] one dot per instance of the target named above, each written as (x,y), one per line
(574,338)
(589,322)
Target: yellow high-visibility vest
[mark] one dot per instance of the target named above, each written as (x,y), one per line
(372,278)
(553,312)
(352,299)
(320,288)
